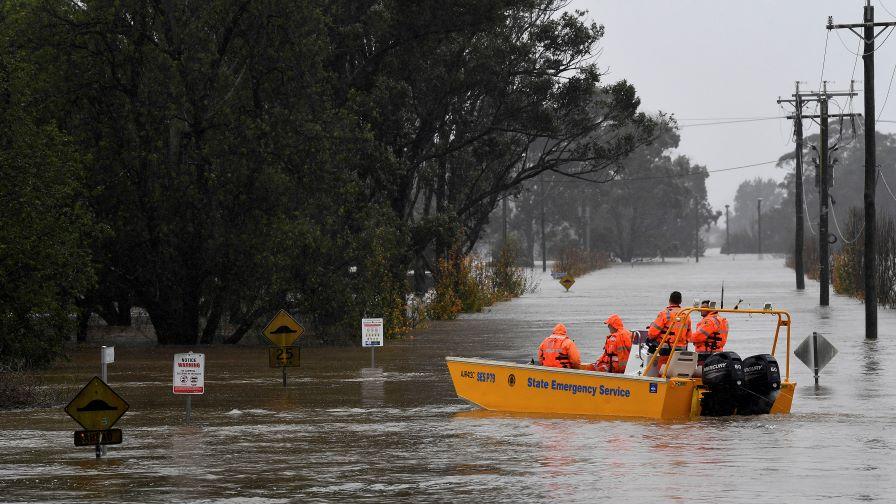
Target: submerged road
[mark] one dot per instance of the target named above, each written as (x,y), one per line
(339,432)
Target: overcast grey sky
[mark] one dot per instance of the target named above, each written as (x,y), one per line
(732,59)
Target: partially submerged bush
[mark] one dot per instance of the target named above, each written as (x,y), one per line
(470,283)
(23,389)
(848,263)
(577,261)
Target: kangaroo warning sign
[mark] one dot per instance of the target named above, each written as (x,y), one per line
(189,373)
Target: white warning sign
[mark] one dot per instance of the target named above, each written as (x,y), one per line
(371,332)
(189,373)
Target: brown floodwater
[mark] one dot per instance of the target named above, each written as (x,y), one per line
(343,432)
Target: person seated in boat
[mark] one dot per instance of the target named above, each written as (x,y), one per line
(557,350)
(711,333)
(617,348)
(665,323)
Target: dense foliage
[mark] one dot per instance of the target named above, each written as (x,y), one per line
(238,156)
(44,217)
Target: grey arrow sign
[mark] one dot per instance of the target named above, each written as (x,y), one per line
(815,351)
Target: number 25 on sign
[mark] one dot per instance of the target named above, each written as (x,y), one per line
(284,357)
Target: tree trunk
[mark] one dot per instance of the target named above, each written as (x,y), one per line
(175,317)
(244,326)
(213,321)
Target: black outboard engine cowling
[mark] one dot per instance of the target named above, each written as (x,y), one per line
(723,376)
(762,381)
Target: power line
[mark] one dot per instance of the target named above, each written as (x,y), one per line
(732,121)
(889,86)
(824,58)
(885,8)
(661,177)
(723,118)
(840,232)
(881,175)
(808,220)
(858,53)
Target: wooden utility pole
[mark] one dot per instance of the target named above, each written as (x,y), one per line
(727,233)
(587,225)
(504,227)
(798,191)
(824,257)
(868,36)
(759,227)
(697,232)
(544,259)
(797,116)
(823,97)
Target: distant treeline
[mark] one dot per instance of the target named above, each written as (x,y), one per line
(654,206)
(778,199)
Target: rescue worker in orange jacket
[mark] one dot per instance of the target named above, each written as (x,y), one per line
(712,330)
(557,350)
(665,323)
(666,326)
(617,348)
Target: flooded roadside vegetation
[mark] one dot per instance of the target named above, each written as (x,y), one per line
(340,431)
(326,251)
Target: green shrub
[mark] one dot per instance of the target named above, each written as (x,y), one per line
(470,283)
(577,261)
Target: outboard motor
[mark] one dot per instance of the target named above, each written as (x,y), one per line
(723,376)
(762,382)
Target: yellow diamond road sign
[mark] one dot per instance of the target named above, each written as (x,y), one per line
(283,330)
(96,407)
(567,281)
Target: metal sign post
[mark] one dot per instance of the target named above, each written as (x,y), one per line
(107,356)
(815,352)
(189,379)
(372,336)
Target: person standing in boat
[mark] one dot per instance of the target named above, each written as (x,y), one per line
(557,350)
(712,331)
(665,322)
(617,348)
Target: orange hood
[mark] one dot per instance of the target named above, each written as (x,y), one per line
(560,330)
(615,322)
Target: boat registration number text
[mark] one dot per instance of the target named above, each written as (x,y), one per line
(479,376)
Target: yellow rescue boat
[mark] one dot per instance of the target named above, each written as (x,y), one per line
(676,389)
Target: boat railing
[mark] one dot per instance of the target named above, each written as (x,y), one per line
(676,333)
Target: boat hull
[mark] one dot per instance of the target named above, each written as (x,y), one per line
(504,386)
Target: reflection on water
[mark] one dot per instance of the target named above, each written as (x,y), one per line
(344,431)
(871,365)
(372,386)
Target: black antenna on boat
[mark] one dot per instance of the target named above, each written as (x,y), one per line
(723,295)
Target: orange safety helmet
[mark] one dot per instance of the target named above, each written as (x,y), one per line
(559,330)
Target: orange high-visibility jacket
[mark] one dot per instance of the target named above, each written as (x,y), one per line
(617,347)
(711,334)
(664,319)
(557,350)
